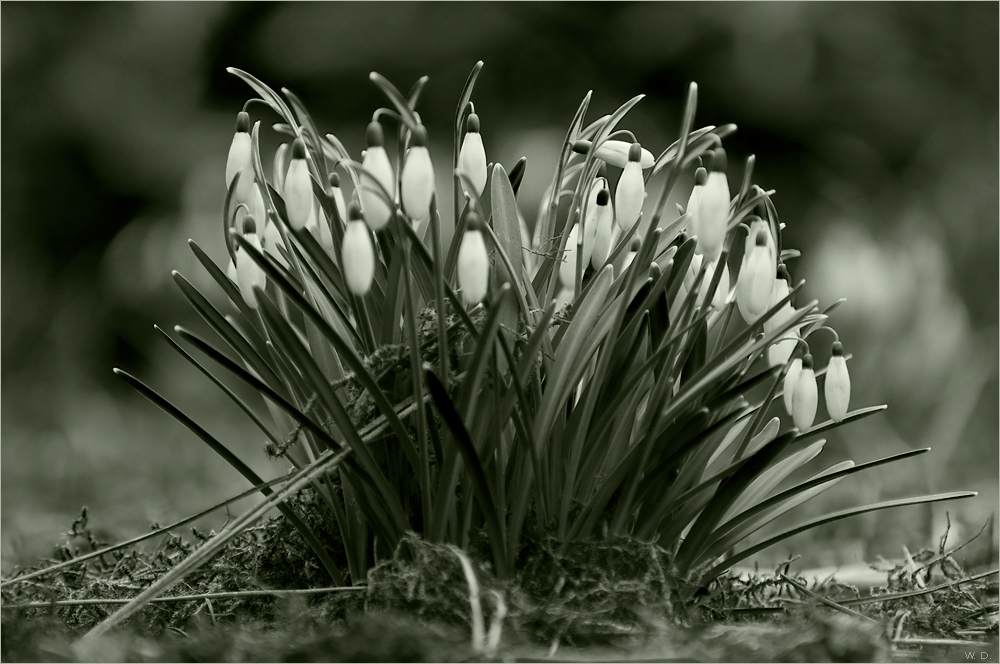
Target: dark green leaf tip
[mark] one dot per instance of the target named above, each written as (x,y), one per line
(783,273)
(634,152)
(298,149)
(603,197)
(807,361)
(838,349)
(249,225)
(242,122)
(472,123)
(373,135)
(719,165)
(701,176)
(418,137)
(354,211)
(636,243)
(334,180)
(581,147)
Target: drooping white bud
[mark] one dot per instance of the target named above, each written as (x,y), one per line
(590,220)
(567,269)
(838,384)
(273,243)
(700,178)
(472,156)
(338,197)
(473,263)
(376,161)
(616,153)
(280,168)
(240,161)
(319,227)
(713,209)
(791,379)
(604,229)
(779,352)
(630,192)
(757,226)
(417,180)
(248,273)
(756,281)
(805,396)
(357,255)
(298,191)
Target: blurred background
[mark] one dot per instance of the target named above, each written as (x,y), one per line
(877,124)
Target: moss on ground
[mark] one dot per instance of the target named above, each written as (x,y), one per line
(612,599)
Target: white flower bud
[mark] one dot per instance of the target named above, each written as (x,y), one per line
(757,226)
(319,227)
(630,192)
(590,220)
(273,243)
(756,281)
(804,396)
(338,197)
(240,161)
(248,273)
(700,178)
(791,379)
(473,263)
(376,161)
(838,384)
(357,255)
(713,209)
(298,191)
(280,168)
(567,269)
(779,352)
(604,229)
(472,156)
(616,153)
(417,180)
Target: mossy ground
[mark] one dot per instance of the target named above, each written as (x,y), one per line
(606,600)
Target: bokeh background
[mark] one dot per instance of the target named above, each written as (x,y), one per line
(877,124)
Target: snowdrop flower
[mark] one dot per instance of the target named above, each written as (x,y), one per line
(472,156)
(713,209)
(338,197)
(700,178)
(240,161)
(319,227)
(757,226)
(279,168)
(376,161)
(791,379)
(838,384)
(615,153)
(804,396)
(779,352)
(248,274)
(473,262)
(567,269)
(297,188)
(756,280)
(273,242)
(591,220)
(417,180)
(604,229)
(357,255)
(630,192)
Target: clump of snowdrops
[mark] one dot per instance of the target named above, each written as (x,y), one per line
(609,368)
